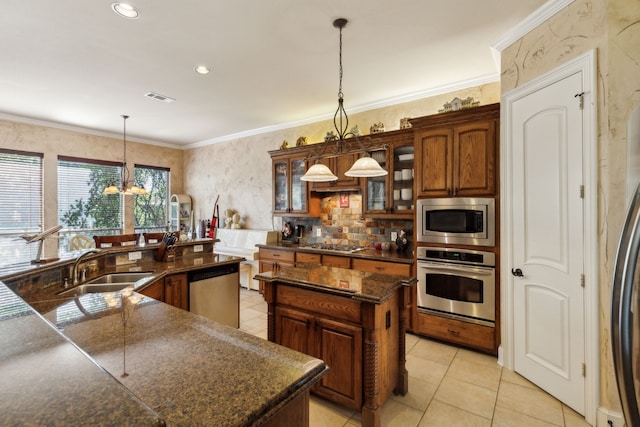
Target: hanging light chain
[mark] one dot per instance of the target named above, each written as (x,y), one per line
(341,127)
(340,94)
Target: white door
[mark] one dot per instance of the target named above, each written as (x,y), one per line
(548,247)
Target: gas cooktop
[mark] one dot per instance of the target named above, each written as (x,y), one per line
(334,248)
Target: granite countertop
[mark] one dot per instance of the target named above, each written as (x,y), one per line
(359,285)
(190,370)
(181,367)
(46,380)
(371,253)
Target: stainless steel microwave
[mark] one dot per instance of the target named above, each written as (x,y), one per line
(456,220)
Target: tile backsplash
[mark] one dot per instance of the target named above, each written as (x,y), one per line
(347,225)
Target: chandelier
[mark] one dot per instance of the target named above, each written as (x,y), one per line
(124,173)
(345,141)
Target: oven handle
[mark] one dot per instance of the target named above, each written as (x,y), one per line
(487,271)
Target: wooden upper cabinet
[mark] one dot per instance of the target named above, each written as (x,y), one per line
(289,192)
(435,151)
(474,169)
(339,165)
(458,158)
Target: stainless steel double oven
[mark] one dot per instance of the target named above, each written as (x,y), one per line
(457,283)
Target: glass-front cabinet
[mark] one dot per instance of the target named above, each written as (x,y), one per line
(403,173)
(376,198)
(289,191)
(392,195)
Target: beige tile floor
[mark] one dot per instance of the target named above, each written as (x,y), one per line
(448,386)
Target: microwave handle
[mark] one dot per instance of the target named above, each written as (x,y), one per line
(445,267)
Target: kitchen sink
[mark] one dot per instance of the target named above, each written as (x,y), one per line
(96,288)
(115,278)
(111,282)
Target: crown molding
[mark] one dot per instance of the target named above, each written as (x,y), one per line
(543,13)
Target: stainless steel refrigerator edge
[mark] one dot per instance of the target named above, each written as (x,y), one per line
(625,329)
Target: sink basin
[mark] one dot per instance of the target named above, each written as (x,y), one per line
(111,282)
(96,288)
(120,277)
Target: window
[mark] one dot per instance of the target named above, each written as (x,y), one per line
(21,207)
(151,210)
(82,208)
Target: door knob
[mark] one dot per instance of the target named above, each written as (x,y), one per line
(517,272)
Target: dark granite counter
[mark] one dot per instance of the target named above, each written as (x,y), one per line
(359,285)
(46,380)
(63,358)
(371,253)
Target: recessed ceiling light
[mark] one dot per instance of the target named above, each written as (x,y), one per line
(202,69)
(125,10)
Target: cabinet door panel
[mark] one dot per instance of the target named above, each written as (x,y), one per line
(475,154)
(436,151)
(298,187)
(281,186)
(339,165)
(342,164)
(294,330)
(176,291)
(340,346)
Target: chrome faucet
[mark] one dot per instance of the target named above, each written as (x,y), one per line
(74,272)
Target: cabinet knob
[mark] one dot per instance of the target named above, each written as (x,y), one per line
(453,332)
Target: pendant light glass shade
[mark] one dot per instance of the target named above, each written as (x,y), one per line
(365,167)
(319,173)
(111,189)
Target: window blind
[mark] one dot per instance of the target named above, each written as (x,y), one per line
(21,207)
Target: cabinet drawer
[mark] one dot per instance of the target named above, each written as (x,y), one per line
(305,258)
(336,261)
(381,267)
(319,302)
(274,254)
(456,331)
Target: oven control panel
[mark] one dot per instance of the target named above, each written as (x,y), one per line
(457,256)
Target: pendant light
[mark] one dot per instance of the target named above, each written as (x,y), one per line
(124,173)
(365,166)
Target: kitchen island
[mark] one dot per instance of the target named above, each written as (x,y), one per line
(119,359)
(353,320)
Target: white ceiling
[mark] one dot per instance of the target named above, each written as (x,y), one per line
(275,62)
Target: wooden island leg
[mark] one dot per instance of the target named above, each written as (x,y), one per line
(403,375)
(269,297)
(371,410)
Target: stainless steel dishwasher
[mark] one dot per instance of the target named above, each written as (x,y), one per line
(215,294)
